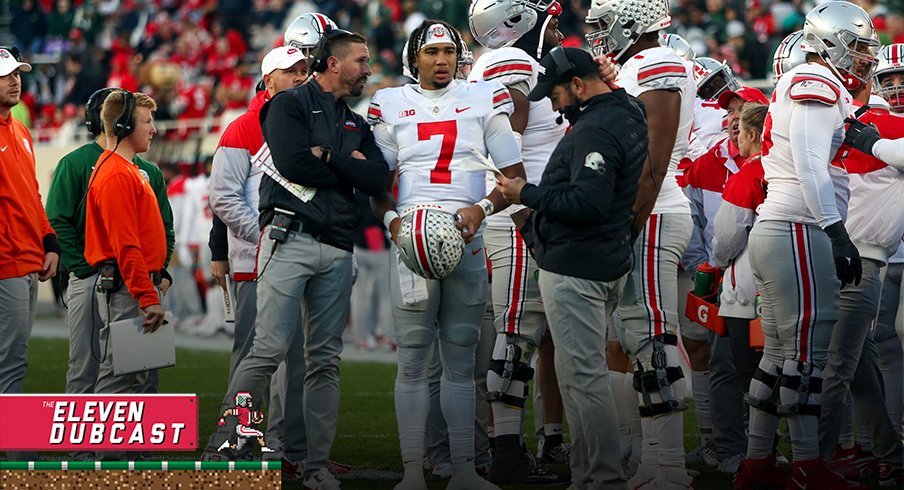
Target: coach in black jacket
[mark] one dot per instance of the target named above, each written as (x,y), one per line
(581,227)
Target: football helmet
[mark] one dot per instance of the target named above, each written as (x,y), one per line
(843,35)
(619,23)
(891,60)
(242,398)
(713,78)
(500,23)
(790,53)
(678,44)
(306,30)
(429,243)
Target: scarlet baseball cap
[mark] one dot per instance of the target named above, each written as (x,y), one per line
(281,58)
(747,94)
(11,61)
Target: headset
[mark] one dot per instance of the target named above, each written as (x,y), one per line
(92,110)
(125,123)
(563,65)
(321,52)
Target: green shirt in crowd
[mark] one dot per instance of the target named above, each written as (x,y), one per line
(66,204)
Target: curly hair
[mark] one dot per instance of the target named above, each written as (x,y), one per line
(419,36)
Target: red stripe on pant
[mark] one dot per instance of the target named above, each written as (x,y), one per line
(651,273)
(516,292)
(805,320)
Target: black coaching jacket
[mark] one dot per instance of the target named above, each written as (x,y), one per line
(303,117)
(581,224)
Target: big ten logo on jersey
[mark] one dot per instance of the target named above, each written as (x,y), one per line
(407,113)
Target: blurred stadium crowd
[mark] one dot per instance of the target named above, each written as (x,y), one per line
(200,58)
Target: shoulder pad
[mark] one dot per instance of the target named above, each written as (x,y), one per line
(808,86)
(502,101)
(512,66)
(659,70)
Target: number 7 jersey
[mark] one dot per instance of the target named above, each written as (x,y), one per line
(437,140)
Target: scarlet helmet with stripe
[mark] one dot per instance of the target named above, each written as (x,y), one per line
(790,53)
(429,242)
(620,23)
(306,30)
(891,60)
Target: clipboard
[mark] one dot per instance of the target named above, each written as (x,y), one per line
(133,350)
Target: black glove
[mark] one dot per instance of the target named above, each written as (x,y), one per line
(861,136)
(847,258)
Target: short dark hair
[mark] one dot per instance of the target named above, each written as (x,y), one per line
(339,47)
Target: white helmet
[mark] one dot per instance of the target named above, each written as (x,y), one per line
(465,60)
(242,398)
(499,23)
(713,78)
(678,44)
(306,30)
(429,243)
(621,22)
(842,33)
(891,60)
(790,53)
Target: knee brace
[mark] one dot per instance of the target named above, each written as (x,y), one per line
(764,397)
(807,384)
(657,381)
(511,362)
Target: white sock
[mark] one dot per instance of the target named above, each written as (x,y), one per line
(669,430)
(804,428)
(761,426)
(701,391)
(506,418)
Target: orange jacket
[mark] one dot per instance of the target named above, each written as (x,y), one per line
(123,222)
(21,212)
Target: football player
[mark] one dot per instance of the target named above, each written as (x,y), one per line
(434,134)
(519,33)
(647,316)
(801,214)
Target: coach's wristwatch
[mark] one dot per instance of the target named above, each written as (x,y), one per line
(325,151)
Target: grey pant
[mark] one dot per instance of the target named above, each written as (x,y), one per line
(371,301)
(727,399)
(888,343)
(121,306)
(302,269)
(852,364)
(577,310)
(84,321)
(17,316)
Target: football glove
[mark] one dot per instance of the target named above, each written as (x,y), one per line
(861,136)
(847,258)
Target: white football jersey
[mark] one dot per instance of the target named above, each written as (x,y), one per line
(710,122)
(805,84)
(515,68)
(660,68)
(438,140)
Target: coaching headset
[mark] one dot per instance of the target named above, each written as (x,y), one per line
(321,52)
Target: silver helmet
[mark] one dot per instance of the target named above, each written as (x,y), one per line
(842,34)
(500,23)
(306,30)
(713,78)
(429,242)
(465,59)
(790,53)
(891,60)
(678,44)
(619,23)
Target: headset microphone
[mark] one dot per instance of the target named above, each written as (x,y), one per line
(560,119)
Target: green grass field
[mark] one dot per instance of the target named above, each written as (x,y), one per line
(366,439)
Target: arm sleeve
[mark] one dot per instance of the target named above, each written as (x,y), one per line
(731,228)
(287,134)
(118,209)
(501,142)
(385,140)
(695,254)
(370,175)
(890,152)
(218,241)
(812,126)
(594,166)
(64,201)
(228,174)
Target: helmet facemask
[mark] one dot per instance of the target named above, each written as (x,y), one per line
(716,82)
(620,23)
(893,94)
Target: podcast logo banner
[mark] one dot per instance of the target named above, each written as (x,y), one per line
(98,422)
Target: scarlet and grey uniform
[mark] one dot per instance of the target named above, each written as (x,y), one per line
(458,120)
(875,226)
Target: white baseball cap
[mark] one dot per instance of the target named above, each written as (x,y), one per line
(9,64)
(281,58)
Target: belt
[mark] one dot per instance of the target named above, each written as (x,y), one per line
(297,226)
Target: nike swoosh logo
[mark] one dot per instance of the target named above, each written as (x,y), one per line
(459,109)
(316,112)
(4,148)
(475,252)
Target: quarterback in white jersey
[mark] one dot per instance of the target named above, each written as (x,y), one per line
(647,315)
(436,135)
(803,216)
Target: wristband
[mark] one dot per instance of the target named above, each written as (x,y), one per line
(487,206)
(388,217)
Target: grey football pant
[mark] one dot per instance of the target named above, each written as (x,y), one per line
(577,310)
(302,269)
(888,343)
(852,364)
(17,316)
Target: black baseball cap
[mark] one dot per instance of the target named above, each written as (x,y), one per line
(559,66)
